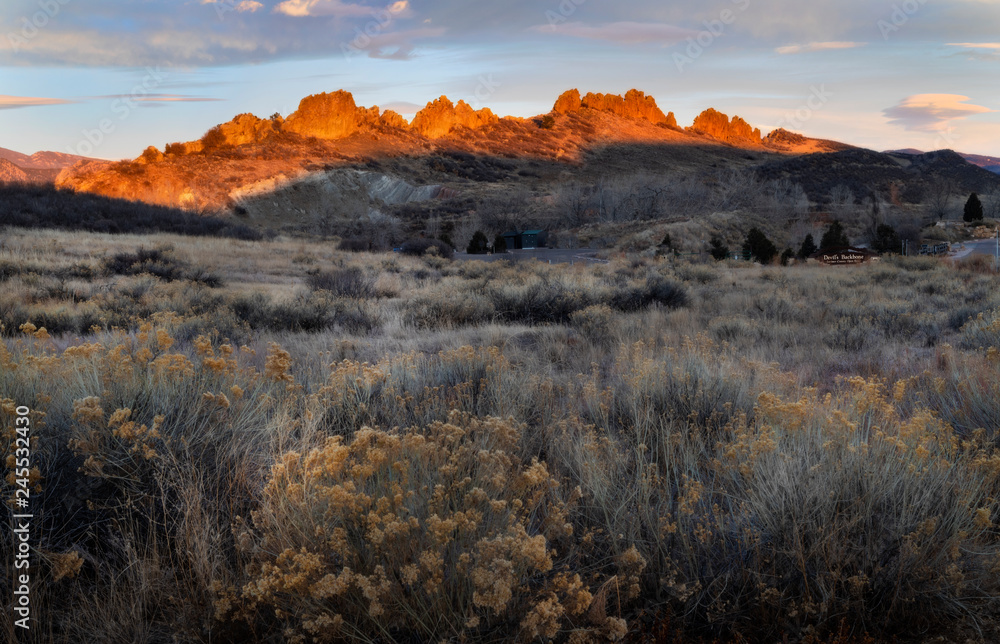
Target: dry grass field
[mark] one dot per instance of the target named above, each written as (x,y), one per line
(278,441)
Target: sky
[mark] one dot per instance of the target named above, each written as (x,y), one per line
(107,78)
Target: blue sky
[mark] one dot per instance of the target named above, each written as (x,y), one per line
(109,77)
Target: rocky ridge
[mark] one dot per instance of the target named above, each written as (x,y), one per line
(719,126)
(330,130)
(633,105)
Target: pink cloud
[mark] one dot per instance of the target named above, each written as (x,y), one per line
(10,102)
(818,46)
(307,8)
(628,33)
(931,112)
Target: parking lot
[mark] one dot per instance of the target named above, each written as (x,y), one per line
(549,255)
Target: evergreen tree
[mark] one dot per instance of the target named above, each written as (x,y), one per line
(834,237)
(758,247)
(886,239)
(478,244)
(499,244)
(808,247)
(973,209)
(787,256)
(667,241)
(718,249)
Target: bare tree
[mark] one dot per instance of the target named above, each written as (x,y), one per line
(991,201)
(572,203)
(736,189)
(874,211)
(940,195)
(842,202)
(783,198)
(504,211)
(433,226)
(463,232)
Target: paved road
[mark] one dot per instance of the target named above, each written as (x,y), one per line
(981,247)
(549,255)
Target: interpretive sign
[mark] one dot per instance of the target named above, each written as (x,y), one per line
(845,256)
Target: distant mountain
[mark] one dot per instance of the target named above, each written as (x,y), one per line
(475,153)
(10,172)
(42,160)
(989,163)
(588,134)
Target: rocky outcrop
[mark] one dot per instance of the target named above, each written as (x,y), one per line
(247,128)
(634,105)
(441,116)
(336,116)
(150,155)
(393,119)
(567,102)
(719,126)
(782,137)
(182,149)
(327,116)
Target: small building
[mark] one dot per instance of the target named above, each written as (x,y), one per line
(533,239)
(513,240)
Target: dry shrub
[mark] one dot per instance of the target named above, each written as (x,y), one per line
(420,534)
(350,282)
(442,308)
(982,332)
(594,323)
(981,264)
(649,393)
(817,512)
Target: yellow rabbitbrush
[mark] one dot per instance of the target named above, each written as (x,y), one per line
(441,533)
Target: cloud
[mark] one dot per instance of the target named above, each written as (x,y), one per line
(240,7)
(162,98)
(626,33)
(818,46)
(394,45)
(336,8)
(931,112)
(402,107)
(976,45)
(11,102)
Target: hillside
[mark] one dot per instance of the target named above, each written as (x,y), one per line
(986,162)
(42,160)
(582,135)
(10,172)
(598,165)
(905,177)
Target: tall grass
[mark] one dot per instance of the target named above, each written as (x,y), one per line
(730,465)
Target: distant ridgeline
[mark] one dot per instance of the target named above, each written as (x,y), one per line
(28,205)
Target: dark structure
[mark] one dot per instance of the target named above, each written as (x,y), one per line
(512,239)
(526,240)
(533,239)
